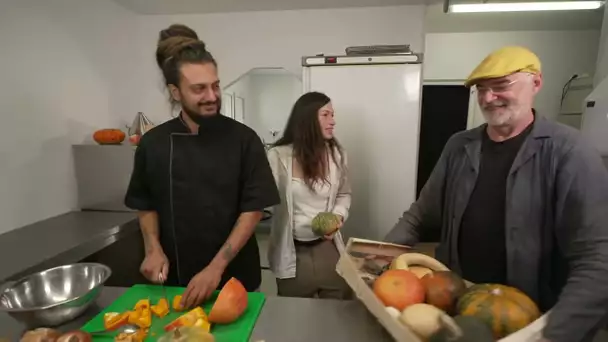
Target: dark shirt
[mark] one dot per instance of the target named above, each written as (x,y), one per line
(482,241)
(199,184)
(557,236)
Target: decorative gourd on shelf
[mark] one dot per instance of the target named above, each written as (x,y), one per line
(109,136)
(505,309)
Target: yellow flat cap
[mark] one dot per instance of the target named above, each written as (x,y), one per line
(505,61)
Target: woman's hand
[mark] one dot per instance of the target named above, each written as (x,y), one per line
(330,236)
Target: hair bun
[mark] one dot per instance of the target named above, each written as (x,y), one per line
(177,30)
(174,39)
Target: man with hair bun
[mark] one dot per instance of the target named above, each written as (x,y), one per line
(200,182)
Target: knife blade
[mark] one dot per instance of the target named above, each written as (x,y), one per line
(161,279)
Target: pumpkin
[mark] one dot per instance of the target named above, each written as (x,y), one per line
(463,329)
(325,223)
(504,308)
(230,303)
(443,288)
(109,136)
(398,289)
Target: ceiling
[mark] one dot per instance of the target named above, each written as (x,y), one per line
(435,20)
(216,6)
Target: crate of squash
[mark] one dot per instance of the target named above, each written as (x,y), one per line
(417,298)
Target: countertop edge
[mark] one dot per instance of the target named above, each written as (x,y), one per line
(76,251)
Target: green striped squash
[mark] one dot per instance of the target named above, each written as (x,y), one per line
(504,308)
(325,223)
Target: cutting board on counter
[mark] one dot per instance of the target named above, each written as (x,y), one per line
(238,331)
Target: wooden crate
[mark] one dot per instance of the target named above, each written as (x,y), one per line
(349,268)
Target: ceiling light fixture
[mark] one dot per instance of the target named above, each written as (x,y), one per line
(525,6)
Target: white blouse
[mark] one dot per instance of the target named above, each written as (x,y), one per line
(306,205)
(281,249)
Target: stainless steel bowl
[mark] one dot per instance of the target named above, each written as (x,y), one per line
(55,296)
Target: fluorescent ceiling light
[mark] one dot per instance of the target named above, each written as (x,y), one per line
(525,6)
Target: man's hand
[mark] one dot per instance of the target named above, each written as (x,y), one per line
(201,286)
(154,264)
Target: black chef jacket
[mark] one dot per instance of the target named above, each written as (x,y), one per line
(199,184)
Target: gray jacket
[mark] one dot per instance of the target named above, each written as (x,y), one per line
(556,221)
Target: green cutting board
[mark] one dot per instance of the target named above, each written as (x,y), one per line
(237,331)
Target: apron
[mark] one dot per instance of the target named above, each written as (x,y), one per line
(204,192)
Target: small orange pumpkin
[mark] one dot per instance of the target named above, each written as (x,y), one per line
(109,136)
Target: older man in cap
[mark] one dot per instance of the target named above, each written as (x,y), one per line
(522,201)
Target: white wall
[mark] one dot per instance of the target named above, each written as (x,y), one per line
(273,97)
(452,56)
(242,41)
(602,56)
(60,73)
(268,98)
(74,66)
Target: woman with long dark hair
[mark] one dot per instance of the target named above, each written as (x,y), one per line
(310,170)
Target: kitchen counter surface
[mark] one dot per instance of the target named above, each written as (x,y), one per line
(282,319)
(62,239)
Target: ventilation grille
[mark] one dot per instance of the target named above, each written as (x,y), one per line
(378,49)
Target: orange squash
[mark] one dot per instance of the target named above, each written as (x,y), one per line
(398,289)
(108,136)
(505,309)
(230,303)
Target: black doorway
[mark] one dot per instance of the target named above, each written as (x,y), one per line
(445,110)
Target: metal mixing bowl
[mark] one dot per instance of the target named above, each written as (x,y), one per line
(55,296)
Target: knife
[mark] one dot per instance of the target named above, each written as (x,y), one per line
(161,279)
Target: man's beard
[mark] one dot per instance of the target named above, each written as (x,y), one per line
(499,118)
(199,118)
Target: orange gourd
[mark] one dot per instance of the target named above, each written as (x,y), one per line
(109,136)
(503,308)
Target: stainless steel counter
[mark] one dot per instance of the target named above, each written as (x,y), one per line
(102,236)
(62,239)
(282,319)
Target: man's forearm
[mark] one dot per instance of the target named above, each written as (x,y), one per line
(405,232)
(148,223)
(242,231)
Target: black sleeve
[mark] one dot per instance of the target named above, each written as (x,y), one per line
(138,195)
(258,189)
(426,211)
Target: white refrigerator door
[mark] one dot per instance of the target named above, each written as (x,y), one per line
(377,113)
